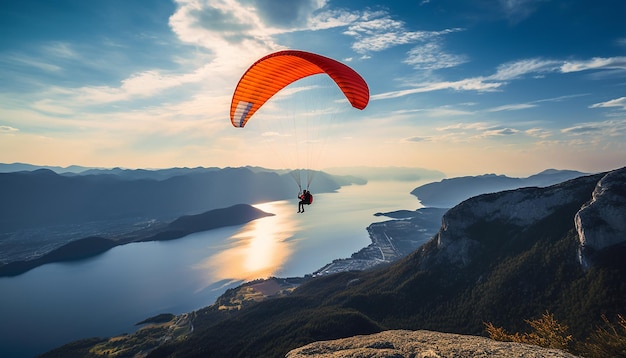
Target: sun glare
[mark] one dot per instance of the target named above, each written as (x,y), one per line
(258,250)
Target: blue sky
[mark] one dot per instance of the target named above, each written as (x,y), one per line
(466,87)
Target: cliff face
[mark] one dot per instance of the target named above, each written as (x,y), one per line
(401,343)
(602,221)
(600,201)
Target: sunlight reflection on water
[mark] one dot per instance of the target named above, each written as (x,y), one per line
(258,249)
(109,293)
(292,244)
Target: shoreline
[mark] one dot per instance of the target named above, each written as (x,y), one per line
(390,240)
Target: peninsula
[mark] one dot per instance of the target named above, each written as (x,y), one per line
(94,245)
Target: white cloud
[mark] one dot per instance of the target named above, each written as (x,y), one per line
(382,33)
(500,132)
(508,72)
(431,56)
(417,139)
(447,112)
(512,107)
(594,64)
(8,130)
(538,133)
(138,85)
(60,50)
(612,128)
(475,126)
(29,61)
(377,31)
(328,19)
(517,69)
(618,102)
(471,84)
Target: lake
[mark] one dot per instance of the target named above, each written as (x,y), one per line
(106,295)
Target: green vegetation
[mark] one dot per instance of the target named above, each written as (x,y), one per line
(160,318)
(547,332)
(139,343)
(608,340)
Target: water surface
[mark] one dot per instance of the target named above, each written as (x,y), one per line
(106,295)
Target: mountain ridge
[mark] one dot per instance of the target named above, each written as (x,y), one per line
(42,210)
(452,191)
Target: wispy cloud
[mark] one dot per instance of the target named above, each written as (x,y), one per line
(532,104)
(29,61)
(518,69)
(499,132)
(474,126)
(512,107)
(612,128)
(618,102)
(8,130)
(538,133)
(470,84)
(508,72)
(382,33)
(59,50)
(595,63)
(431,56)
(417,139)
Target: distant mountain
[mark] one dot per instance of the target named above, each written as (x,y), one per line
(388,173)
(139,174)
(43,209)
(42,197)
(92,246)
(18,167)
(450,192)
(500,258)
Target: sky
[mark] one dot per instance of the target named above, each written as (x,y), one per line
(470,87)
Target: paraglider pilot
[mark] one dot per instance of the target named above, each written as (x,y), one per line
(305,198)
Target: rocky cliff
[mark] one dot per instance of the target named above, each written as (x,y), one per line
(601,222)
(601,219)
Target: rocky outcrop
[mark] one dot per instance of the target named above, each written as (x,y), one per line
(424,344)
(602,221)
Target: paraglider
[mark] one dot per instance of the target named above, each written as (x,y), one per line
(272,73)
(305,199)
(275,71)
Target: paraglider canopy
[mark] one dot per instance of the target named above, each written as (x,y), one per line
(275,71)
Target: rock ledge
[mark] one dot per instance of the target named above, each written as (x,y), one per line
(422,344)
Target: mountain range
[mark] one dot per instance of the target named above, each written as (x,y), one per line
(500,257)
(451,191)
(42,209)
(43,197)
